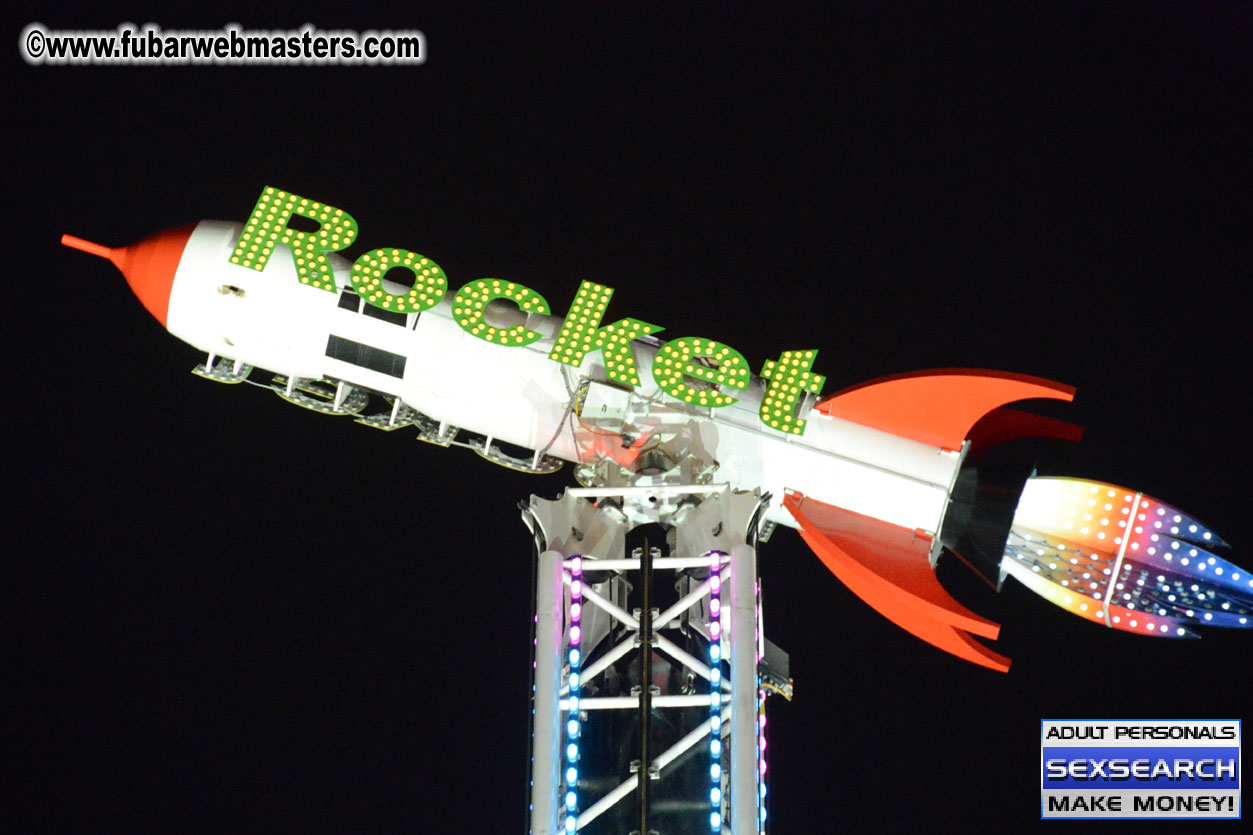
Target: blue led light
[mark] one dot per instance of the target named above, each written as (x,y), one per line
(575,657)
(715,692)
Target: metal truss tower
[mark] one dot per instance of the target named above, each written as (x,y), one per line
(651,670)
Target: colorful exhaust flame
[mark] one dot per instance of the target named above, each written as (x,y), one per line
(1124,559)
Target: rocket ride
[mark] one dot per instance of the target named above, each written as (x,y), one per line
(868,482)
(880,479)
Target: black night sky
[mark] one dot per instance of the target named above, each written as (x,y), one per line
(229,614)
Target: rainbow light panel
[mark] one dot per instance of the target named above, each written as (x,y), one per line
(575,657)
(1127,560)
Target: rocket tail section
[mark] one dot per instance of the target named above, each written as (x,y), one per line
(1123,559)
(888,567)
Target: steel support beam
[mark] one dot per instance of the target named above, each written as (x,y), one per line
(744,815)
(546,736)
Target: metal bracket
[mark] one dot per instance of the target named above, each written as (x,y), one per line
(222,370)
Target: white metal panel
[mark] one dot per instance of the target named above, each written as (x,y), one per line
(519,395)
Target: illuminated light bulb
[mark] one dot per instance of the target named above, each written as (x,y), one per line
(572,754)
(575,634)
(572,775)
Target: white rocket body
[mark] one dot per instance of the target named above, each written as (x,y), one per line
(518,395)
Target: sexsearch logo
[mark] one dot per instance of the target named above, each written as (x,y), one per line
(1139,768)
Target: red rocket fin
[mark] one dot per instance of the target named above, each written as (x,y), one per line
(148,265)
(936,407)
(1001,425)
(888,567)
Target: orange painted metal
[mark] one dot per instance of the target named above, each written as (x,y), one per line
(149,265)
(887,566)
(936,407)
(1001,425)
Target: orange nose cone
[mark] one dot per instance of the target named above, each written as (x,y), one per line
(148,265)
